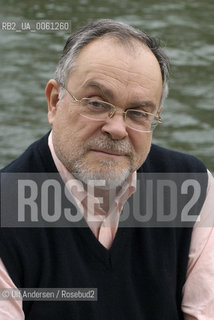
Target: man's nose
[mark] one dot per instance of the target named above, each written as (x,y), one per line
(116,127)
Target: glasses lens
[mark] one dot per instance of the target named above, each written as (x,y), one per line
(101,111)
(95,108)
(140,120)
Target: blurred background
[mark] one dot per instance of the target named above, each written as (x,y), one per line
(28,60)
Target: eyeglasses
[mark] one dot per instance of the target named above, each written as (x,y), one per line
(99,110)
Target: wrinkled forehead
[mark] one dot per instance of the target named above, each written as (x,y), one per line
(127,66)
(105,47)
(128,56)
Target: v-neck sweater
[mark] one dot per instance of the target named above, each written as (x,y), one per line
(140,277)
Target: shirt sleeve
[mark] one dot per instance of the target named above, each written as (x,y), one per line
(198,290)
(9,309)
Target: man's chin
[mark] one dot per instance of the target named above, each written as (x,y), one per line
(105,174)
(102,180)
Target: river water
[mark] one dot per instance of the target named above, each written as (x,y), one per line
(28,60)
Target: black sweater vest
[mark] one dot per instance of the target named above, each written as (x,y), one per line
(140,277)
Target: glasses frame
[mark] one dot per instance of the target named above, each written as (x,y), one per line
(114,110)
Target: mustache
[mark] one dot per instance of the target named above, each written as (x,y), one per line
(110,145)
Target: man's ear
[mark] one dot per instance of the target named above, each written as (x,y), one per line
(52,96)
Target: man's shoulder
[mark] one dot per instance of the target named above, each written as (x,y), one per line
(161,159)
(36,158)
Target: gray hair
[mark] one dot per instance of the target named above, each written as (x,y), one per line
(118,30)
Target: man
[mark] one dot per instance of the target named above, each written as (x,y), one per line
(109,91)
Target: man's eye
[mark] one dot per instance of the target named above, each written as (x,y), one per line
(139,114)
(96,105)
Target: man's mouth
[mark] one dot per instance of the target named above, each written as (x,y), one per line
(108,152)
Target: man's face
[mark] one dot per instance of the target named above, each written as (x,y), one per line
(124,76)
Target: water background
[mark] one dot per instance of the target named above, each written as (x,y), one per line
(28,60)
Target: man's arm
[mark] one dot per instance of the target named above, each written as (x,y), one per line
(198,291)
(9,309)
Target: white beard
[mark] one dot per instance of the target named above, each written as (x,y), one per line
(105,169)
(110,178)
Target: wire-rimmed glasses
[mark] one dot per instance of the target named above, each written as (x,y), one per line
(98,110)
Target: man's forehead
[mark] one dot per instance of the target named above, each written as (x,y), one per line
(104,48)
(106,55)
(105,61)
